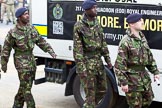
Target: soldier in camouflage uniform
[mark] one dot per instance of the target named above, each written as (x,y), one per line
(133,57)
(3,9)
(10,11)
(89,46)
(22,39)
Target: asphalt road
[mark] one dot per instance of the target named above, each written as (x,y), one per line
(46,95)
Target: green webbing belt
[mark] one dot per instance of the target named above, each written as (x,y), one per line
(137,67)
(23,53)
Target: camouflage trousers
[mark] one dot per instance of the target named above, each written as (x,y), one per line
(24,93)
(140,99)
(95,88)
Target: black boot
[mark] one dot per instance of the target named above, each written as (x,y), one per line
(1,20)
(7,22)
(16,107)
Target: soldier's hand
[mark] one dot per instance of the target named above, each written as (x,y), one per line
(110,66)
(124,88)
(157,77)
(53,55)
(112,69)
(82,75)
(4,68)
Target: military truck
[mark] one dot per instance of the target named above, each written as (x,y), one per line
(54,20)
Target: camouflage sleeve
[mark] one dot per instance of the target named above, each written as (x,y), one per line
(41,42)
(7,47)
(105,51)
(152,67)
(121,64)
(78,51)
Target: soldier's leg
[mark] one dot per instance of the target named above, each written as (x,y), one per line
(147,98)
(3,10)
(26,81)
(19,98)
(134,99)
(101,87)
(90,90)
(20,4)
(12,13)
(88,83)
(8,13)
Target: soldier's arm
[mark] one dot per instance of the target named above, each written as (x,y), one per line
(120,66)
(78,50)
(152,67)
(8,43)
(105,51)
(41,43)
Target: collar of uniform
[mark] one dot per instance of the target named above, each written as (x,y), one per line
(141,35)
(89,23)
(22,28)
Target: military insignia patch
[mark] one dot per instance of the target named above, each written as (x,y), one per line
(57,12)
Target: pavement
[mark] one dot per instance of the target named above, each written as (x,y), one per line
(46,95)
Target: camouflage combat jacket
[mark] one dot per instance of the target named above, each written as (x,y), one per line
(133,57)
(22,40)
(89,44)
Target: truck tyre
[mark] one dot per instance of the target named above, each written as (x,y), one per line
(79,95)
(121,102)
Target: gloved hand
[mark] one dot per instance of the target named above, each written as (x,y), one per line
(4,68)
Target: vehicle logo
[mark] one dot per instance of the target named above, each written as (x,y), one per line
(57,12)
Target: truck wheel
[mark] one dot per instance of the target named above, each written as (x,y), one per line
(121,102)
(79,95)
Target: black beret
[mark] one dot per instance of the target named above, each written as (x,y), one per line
(87,4)
(132,18)
(20,11)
